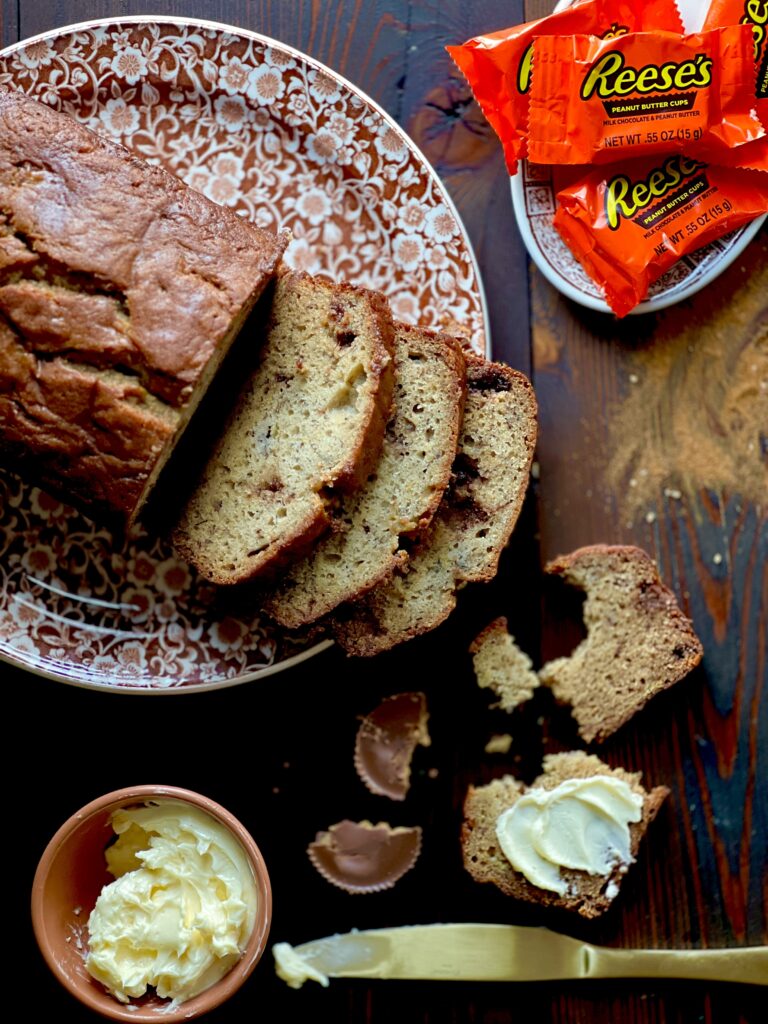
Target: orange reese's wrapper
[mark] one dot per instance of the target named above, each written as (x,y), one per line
(755,14)
(628,226)
(596,101)
(498,65)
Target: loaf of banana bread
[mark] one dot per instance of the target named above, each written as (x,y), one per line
(121,290)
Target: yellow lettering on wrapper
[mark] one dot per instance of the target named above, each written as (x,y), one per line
(625,198)
(611,77)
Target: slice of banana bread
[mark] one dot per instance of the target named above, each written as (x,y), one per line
(501,666)
(638,640)
(587,894)
(121,290)
(310,418)
(400,496)
(472,524)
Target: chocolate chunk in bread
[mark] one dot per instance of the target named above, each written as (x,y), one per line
(121,290)
(638,640)
(588,895)
(472,524)
(502,667)
(402,493)
(310,418)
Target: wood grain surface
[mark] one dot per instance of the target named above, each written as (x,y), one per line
(652,431)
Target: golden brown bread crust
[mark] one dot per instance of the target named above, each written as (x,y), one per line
(638,640)
(108,267)
(591,895)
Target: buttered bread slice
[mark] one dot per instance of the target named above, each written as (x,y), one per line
(472,525)
(311,418)
(401,495)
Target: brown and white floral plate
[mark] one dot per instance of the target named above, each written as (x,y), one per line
(288,143)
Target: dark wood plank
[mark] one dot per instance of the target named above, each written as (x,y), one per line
(9,22)
(440,114)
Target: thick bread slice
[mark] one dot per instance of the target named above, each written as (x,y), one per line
(121,290)
(472,524)
(588,895)
(638,640)
(401,495)
(502,667)
(310,418)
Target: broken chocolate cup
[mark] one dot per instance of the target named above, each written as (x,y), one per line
(360,857)
(385,743)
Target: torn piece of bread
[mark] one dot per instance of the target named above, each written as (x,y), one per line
(638,640)
(400,496)
(472,524)
(121,291)
(502,667)
(310,418)
(588,894)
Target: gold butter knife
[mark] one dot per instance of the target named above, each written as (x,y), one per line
(499,952)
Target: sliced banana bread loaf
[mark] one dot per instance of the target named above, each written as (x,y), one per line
(588,894)
(638,640)
(401,494)
(310,418)
(472,524)
(502,667)
(121,291)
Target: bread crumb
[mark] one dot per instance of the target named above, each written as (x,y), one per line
(535,470)
(717,559)
(650,517)
(672,492)
(502,667)
(432,773)
(633,378)
(499,743)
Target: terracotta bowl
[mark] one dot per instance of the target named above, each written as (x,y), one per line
(69,878)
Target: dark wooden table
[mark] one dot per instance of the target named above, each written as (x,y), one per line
(652,432)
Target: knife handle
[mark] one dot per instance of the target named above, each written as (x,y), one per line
(749,966)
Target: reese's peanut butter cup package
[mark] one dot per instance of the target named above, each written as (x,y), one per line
(596,101)
(498,65)
(628,225)
(755,14)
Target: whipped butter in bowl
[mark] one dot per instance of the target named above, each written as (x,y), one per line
(152,902)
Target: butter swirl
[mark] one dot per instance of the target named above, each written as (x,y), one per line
(181,909)
(582,824)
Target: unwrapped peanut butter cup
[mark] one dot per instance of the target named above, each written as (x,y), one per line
(385,743)
(360,857)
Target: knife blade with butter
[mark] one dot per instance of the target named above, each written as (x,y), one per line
(498,952)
